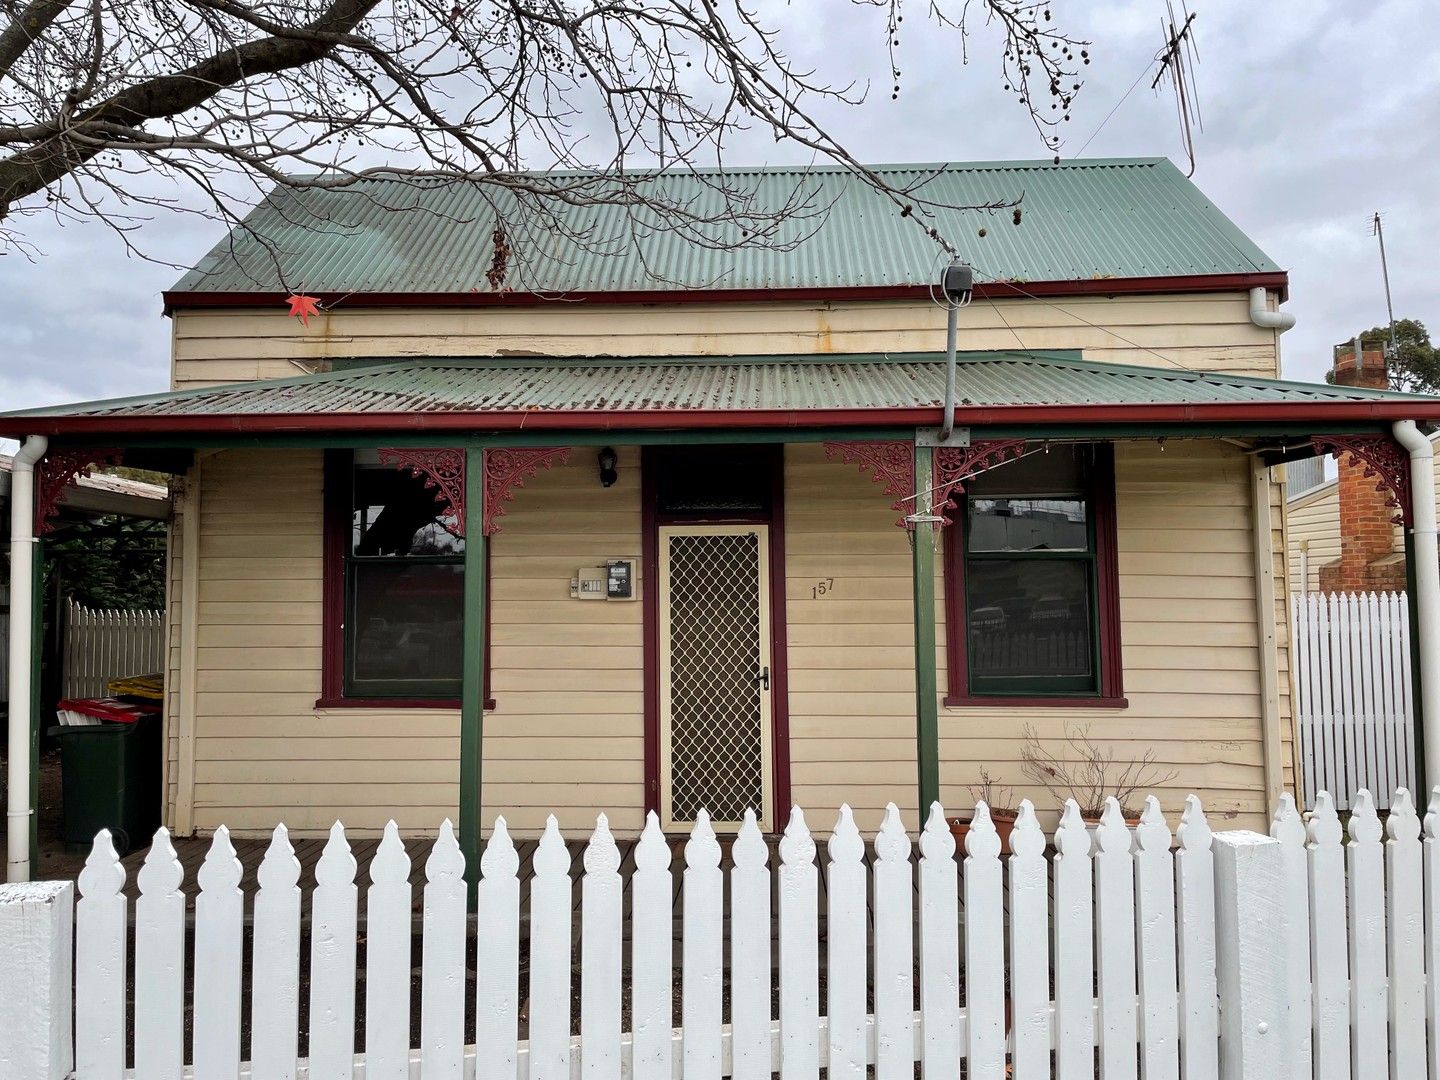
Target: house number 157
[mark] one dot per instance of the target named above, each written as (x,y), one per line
(822,587)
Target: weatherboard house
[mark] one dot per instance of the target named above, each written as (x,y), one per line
(607,538)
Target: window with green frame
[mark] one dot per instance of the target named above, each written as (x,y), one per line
(404,587)
(1031,580)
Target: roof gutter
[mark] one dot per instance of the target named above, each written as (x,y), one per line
(1277,280)
(1379,410)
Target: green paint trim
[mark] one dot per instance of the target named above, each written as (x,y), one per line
(472,672)
(927,702)
(1416,697)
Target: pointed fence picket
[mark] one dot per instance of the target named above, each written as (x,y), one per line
(387,961)
(160,964)
(652,954)
(275,990)
(442,966)
(497,957)
(1114,945)
(845,939)
(750,958)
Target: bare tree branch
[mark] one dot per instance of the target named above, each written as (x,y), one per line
(231,97)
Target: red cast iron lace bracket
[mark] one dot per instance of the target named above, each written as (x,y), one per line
(507,468)
(1383,458)
(890,463)
(442,470)
(956,464)
(58,470)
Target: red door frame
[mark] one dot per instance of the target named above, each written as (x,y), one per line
(651,521)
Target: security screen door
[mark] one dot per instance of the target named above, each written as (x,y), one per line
(714,637)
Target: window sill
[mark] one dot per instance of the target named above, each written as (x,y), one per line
(395,703)
(999,701)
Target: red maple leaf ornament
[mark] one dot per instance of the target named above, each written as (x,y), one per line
(302,307)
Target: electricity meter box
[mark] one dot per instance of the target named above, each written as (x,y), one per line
(616,579)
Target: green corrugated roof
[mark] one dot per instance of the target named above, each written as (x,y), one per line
(670,384)
(1121,218)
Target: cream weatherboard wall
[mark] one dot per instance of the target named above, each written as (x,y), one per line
(568,732)
(247,747)
(1206,331)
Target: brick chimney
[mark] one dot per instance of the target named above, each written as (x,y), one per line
(1371,554)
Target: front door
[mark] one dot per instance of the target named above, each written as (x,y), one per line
(715,707)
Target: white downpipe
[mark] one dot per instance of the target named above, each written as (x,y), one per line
(1427,585)
(22,609)
(1262,316)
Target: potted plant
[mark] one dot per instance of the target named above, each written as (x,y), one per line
(1090,773)
(1000,800)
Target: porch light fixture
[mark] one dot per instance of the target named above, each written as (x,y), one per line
(608,474)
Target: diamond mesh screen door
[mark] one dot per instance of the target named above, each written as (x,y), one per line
(714,635)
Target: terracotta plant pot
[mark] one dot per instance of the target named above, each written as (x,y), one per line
(1004,821)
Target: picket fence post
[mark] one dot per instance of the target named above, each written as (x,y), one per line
(1250,957)
(37,921)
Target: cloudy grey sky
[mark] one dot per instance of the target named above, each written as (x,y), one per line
(1316,113)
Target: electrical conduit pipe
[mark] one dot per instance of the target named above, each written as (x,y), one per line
(22,606)
(1427,584)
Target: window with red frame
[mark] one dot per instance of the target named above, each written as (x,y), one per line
(1032,583)
(394,620)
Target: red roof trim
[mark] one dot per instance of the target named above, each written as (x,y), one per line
(656,419)
(1100,286)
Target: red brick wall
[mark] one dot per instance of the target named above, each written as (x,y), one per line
(1367,534)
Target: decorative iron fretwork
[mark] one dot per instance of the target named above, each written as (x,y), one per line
(507,468)
(891,463)
(58,470)
(1383,458)
(443,470)
(956,464)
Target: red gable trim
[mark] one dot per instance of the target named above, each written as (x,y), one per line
(682,419)
(1100,286)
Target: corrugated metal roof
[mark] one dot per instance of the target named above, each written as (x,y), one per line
(1082,220)
(668,384)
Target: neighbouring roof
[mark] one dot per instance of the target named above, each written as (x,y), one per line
(796,391)
(1083,221)
(105,493)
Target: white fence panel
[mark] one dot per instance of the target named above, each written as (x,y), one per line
(1196,955)
(109,643)
(1352,682)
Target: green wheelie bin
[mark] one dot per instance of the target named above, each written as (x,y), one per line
(110,779)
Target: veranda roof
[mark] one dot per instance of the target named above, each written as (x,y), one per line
(603,393)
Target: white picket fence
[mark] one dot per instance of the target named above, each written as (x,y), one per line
(1353,691)
(109,643)
(1235,955)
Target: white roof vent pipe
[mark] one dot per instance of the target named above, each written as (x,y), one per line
(1262,316)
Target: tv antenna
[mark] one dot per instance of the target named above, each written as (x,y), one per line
(1177,59)
(1377,229)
